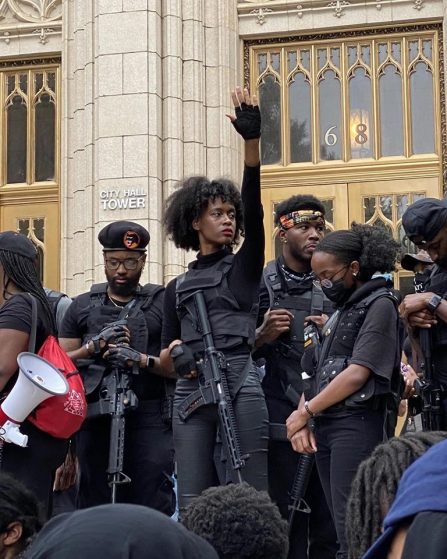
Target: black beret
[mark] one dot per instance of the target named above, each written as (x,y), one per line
(18,244)
(424,219)
(124,235)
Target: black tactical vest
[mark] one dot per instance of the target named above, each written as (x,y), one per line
(232,328)
(283,356)
(339,336)
(101,314)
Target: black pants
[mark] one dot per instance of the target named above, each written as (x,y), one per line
(342,443)
(35,464)
(148,460)
(195,440)
(312,535)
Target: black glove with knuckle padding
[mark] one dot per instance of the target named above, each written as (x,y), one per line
(123,357)
(183,359)
(248,121)
(111,333)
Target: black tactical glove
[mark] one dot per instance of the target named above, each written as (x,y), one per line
(123,357)
(113,333)
(248,121)
(183,359)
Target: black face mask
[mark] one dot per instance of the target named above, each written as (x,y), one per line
(338,293)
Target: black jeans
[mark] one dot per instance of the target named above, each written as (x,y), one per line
(195,441)
(148,460)
(312,535)
(35,464)
(342,443)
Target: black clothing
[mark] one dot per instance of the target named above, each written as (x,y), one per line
(148,441)
(85,318)
(246,269)
(366,333)
(124,235)
(117,532)
(233,297)
(35,464)
(437,284)
(313,535)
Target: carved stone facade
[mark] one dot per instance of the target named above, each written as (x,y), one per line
(27,26)
(145,89)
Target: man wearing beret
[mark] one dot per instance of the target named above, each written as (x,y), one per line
(425,223)
(117,325)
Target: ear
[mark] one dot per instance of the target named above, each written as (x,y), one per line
(282,236)
(355,268)
(196,225)
(12,534)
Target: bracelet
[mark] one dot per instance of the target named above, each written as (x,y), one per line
(150,362)
(309,411)
(87,347)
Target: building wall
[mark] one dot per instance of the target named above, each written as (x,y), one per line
(146,91)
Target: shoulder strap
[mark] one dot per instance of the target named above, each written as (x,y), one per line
(317,301)
(98,293)
(272,280)
(33,331)
(144,298)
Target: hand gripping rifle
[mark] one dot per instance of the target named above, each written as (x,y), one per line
(215,382)
(115,399)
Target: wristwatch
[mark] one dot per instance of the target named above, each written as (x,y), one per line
(434,303)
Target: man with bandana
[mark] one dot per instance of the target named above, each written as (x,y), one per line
(288,300)
(117,326)
(425,223)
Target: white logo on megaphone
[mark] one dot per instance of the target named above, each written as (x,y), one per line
(38,380)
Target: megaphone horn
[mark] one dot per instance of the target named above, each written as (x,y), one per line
(38,380)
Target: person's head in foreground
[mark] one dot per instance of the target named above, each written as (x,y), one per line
(118,531)
(239,522)
(19,517)
(423,488)
(375,485)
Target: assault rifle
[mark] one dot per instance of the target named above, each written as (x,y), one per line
(299,487)
(212,369)
(115,399)
(427,389)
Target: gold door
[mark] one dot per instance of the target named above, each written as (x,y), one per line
(40,223)
(383,203)
(30,158)
(333,197)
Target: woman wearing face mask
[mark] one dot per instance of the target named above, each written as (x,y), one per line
(357,371)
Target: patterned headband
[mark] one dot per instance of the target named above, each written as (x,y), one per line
(299,216)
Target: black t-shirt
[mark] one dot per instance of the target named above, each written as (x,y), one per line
(16,314)
(147,385)
(377,342)
(246,270)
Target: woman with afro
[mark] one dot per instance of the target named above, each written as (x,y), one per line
(210,217)
(356,378)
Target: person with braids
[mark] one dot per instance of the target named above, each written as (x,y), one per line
(20,517)
(210,216)
(375,486)
(357,373)
(33,465)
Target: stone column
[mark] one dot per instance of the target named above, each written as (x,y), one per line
(146,87)
(200,67)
